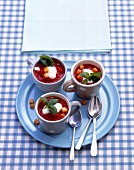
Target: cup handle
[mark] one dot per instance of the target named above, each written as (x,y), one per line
(66,86)
(31,61)
(75,103)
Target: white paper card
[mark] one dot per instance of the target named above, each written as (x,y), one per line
(66,26)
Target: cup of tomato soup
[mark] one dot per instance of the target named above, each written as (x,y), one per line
(53,110)
(86,77)
(48,75)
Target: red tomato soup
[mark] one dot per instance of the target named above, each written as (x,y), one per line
(40,72)
(53,117)
(80,69)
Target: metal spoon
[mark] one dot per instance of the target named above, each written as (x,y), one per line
(92,111)
(96,108)
(74,121)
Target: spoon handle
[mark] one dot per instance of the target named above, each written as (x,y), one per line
(72,146)
(94,141)
(80,141)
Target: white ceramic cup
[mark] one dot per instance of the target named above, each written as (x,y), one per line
(55,127)
(82,90)
(47,87)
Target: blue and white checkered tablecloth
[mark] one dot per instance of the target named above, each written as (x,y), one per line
(18,150)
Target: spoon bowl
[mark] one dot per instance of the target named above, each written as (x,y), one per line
(74,121)
(95,107)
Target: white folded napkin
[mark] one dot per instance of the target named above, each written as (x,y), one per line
(62,26)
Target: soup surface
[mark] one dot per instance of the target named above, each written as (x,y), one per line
(87,74)
(50,116)
(41,74)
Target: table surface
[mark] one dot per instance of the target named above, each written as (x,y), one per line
(18,150)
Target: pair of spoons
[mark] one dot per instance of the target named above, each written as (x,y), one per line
(94,110)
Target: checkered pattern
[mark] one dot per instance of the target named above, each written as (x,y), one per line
(18,150)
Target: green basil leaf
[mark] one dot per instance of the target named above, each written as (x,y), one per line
(53,101)
(46,60)
(85,75)
(90,78)
(85,81)
(52,109)
(94,78)
(45,100)
(96,74)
